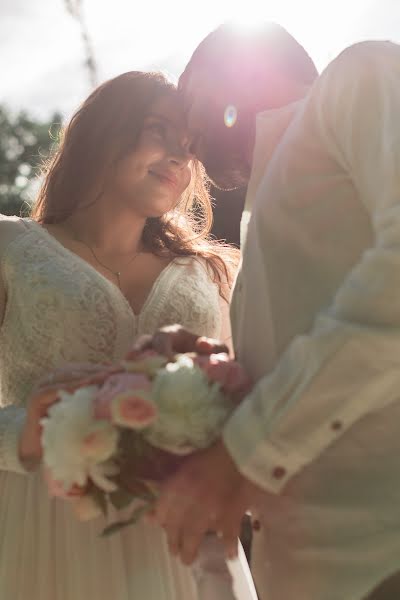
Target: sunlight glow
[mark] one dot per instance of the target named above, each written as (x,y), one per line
(322,28)
(246,21)
(230,115)
(158,36)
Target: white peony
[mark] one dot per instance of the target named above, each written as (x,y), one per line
(191,410)
(76,446)
(86,508)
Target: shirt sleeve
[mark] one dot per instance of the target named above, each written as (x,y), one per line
(348,364)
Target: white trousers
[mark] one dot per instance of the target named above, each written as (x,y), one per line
(334,533)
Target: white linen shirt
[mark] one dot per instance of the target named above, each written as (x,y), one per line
(316,306)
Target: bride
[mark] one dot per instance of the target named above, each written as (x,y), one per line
(116,246)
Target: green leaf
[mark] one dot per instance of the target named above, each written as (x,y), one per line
(110,529)
(100,498)
(134,518)
(121,498)
(140,511)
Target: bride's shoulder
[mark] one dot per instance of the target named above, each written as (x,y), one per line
(9,219)
(198,274)
(195,266)
(10,228)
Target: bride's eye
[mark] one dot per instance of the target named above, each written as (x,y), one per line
(158,129)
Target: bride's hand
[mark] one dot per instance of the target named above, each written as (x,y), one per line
(30,447)
(68,378)
(174,339)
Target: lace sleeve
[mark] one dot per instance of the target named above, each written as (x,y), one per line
(11,417)
(11,422)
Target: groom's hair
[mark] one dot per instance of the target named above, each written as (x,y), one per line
(241,58)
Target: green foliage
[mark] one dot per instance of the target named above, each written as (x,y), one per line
(135,517)
(24,144)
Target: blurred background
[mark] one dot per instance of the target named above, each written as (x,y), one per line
(53,52)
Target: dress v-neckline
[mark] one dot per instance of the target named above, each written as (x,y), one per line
(112,286)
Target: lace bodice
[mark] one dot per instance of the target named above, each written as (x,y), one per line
(60,309)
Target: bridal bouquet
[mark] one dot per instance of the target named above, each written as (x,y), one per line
(113,441)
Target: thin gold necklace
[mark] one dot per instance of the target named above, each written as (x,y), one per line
(116,274)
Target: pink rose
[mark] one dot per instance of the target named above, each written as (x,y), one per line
(228,373)
(133,410)
(100,442)
(115,385)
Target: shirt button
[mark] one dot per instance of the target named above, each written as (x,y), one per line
(336,425)
(256,525)
(279,472)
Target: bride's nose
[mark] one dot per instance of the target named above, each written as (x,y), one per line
(179,154)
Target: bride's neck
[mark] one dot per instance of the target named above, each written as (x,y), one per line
(110,232)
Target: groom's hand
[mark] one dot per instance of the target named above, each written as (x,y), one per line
(207,493)
(174,339)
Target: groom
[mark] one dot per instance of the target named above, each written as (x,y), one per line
(314,448)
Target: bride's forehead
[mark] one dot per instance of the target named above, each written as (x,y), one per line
(169,107)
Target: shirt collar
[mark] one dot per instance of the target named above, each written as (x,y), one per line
(270,127)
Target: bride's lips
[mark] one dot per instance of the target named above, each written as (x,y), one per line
(165,177)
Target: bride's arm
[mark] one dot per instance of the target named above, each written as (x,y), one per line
(19,427)
(2,297)
(12,418)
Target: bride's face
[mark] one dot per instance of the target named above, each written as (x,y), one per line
(155,174)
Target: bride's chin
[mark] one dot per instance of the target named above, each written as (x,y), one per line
(159,210)
(150,211)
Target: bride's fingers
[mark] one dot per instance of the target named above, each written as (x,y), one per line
(174,339)
(163,344)
(70,384)
(206,345)
(41,401)
(98,379)
(143,342)
(44,396)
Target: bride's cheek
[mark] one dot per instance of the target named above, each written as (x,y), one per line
(187,179)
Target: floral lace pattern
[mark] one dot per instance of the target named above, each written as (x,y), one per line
(60,310)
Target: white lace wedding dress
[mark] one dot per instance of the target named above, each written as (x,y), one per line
(60,309)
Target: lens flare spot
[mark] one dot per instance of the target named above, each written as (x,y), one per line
(230,115)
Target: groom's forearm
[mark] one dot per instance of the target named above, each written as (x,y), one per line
(323,384)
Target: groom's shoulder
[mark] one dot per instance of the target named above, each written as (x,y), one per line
(363,58)
(359,69)
(369,48)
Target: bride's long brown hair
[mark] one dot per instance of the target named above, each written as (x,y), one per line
(113,116)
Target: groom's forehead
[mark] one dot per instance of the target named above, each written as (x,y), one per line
(202,87)
(198,84)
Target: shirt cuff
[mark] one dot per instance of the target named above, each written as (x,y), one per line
(266,463)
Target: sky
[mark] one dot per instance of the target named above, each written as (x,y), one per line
(41,52)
